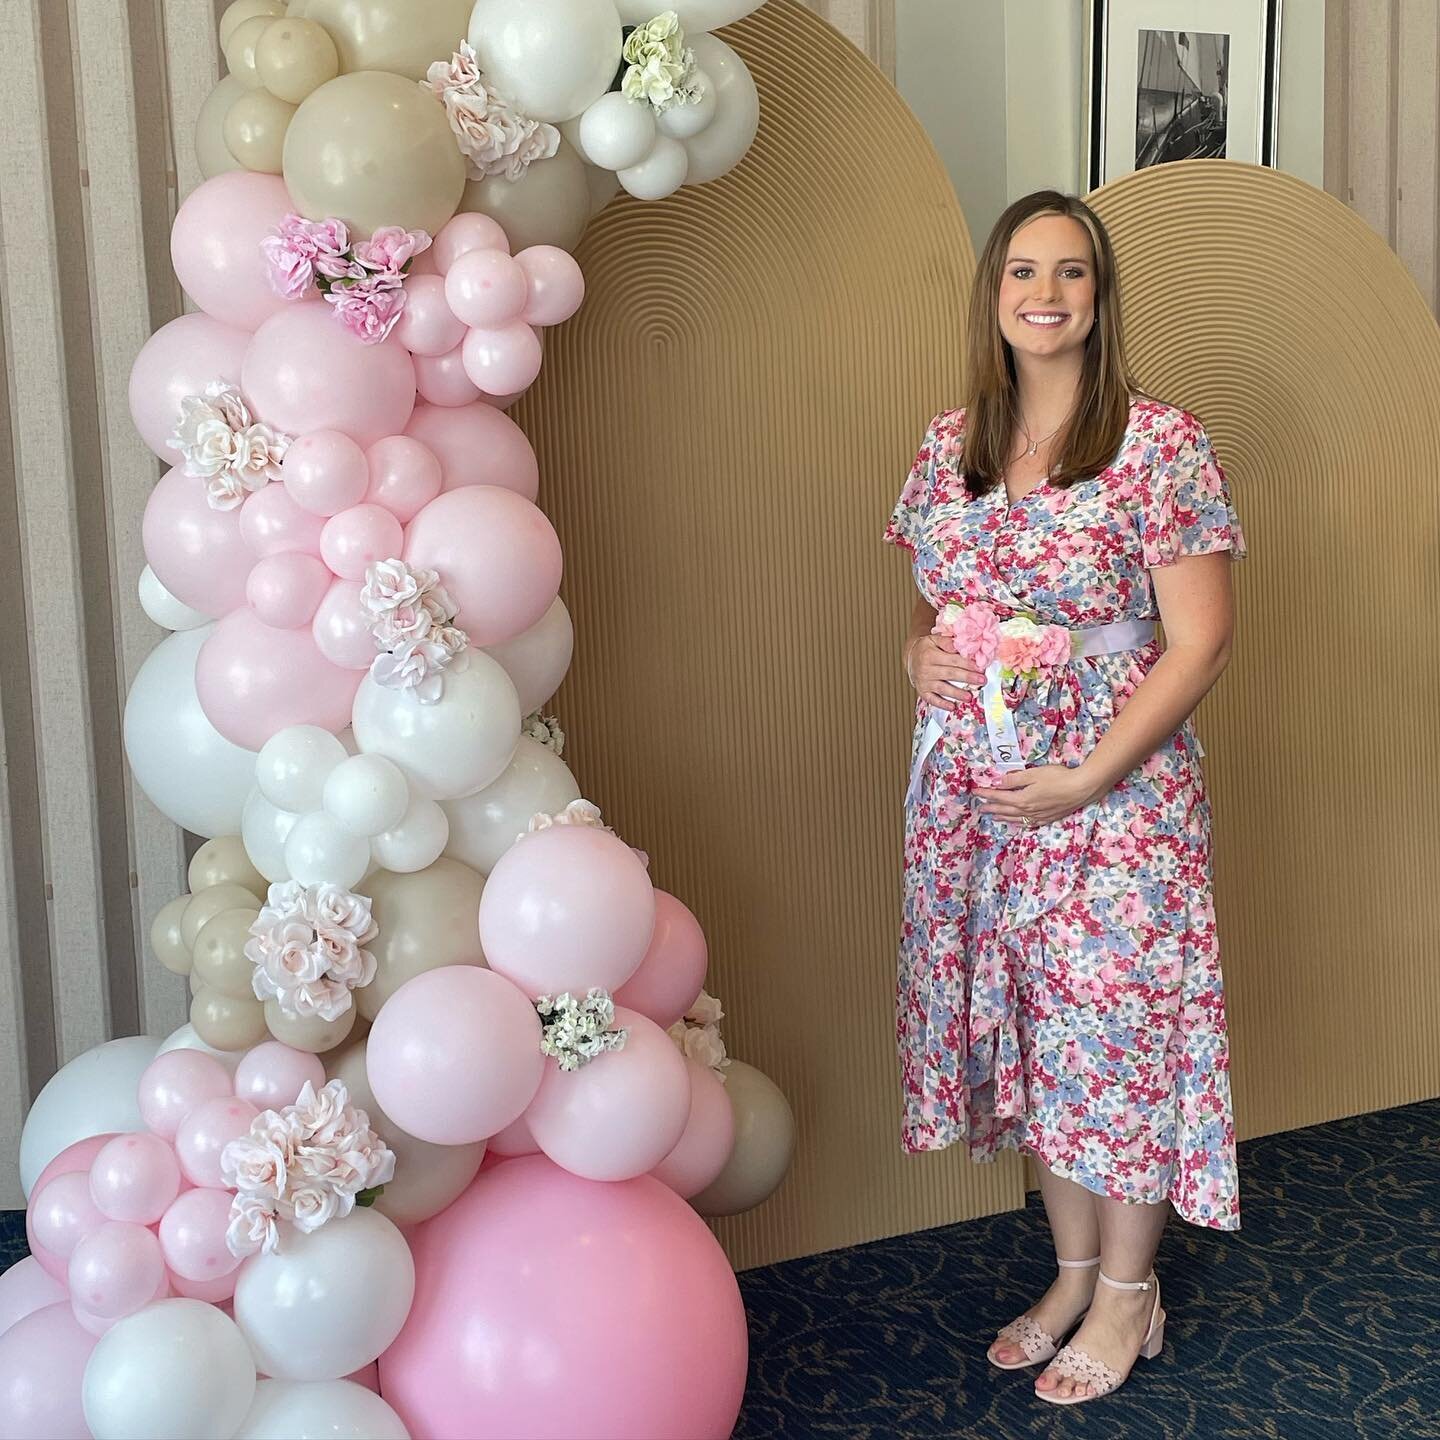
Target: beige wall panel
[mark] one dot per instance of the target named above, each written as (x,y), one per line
(1417,100)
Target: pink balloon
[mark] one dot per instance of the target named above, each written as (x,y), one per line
(427,326)
(174,1083)
(192,1235)
(368,1376)
(272,1075)
(215,246)
(454,1055)
(477,445)
(213,1292)
(116,1269)
(422,264)
(254,680)
(341,627)
(564,909)
(502,361)
(486,287)
(556,284)
(441,379)
(204,1134)
(285,590)
(135,1178)
(181,358)
(621,1283)
(704,1148)
(25,1288)
(466,231)
(514,1139)
(72,1160)
(404,476)
(620,1115)
(42,1365)
(498,555)
(304,371)
(325,472)
(61,1214)
(198,553)
(356,538)
(273,524)
(672,973)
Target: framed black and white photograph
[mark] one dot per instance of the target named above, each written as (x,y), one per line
(1181,80)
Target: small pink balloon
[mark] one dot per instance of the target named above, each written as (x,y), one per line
(341,627)
(427,325)
(404,476)
(556,284)
(477,445)
(441,379)
(369,1377)
(180,359)
(73,1159)
(325,472)
(135,1178)
(174,1083)
(198,553)
(272,1075)
(116,1269)
(466,231)
(273,524)
(514,1139)
(61,1214)
(502,361)
(25,1288)
(192,1235)
(357,538)
(703,1150)
(672,973)
(204,1134)
(486,287)
(285,590)
(42,1367)
(213,1292)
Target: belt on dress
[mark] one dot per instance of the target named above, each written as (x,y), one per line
(1112,639)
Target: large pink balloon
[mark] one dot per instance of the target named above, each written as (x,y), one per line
(477,445)
(197,553)
(454,1055)
(672,973)
(42,1365)
(215,246)
(703,1150)
(72,1160)
(253,681)
(621,1283)
(25,1288)
(181,358)
(498,555)
(305,371)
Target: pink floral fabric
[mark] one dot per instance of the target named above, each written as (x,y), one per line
(1059,989)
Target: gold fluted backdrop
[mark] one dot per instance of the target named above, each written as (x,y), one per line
(722,431)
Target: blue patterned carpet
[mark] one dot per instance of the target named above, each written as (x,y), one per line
(1320,1318)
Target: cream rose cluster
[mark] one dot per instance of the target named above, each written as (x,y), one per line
(697,1033)
(224,446)
(412,619)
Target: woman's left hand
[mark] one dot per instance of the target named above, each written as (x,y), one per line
(1038,795)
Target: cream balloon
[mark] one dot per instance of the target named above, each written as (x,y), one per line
(165,937)
(223,861)
(485,825)
(294,57)
(549,58)
(548,205)
(227,1022)
(309,1032)
(661,173)
(243,10)
(616,132)
(265,828)
(163,608)
(220,959)
(693,14)
(722,144)
(209,903)
(536,659)
(764,1143)
(603,185)
(383,35)
(211,152)
(417,841)
(254,130)
(240,49)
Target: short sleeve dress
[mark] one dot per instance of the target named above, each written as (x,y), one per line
(1059,989)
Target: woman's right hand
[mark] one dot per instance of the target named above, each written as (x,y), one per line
(939,675)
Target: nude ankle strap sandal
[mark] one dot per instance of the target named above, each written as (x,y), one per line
(1077,1365)
(1034,1342)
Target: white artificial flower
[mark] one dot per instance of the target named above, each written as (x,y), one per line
(544,730)
(662,68)
(252,1228)
(221,445)
(577,812)
(307,947)
(706,1010)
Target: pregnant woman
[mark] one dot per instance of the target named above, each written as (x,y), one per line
(1059,979)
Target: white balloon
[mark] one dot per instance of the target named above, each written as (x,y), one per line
(264,829)
(549,58)
(92,1095)
(176,1370)
(417,841)
(320,850)
(536,660)
(616,132)
(319,1410)
(722,144)
(684,122)
(456,745)
(191,772)
(163,608)
(485,825)
(661,173)
(694,14)
(294,764)
(367,794)
(326,1303)
(185,1038)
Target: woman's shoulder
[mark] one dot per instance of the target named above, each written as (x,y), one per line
(1164,423)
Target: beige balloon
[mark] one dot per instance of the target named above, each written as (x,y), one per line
(220,953)
(166,940)
(243,10)
(427,1177)
(401,36)
(226,1021)
(196,983)
(426,920)
(294,57)
(604,187)
(764,1143)
(373,149)
(211,153)
(209,903)
(255,131)
(240,49)
(548,205)
(308,1032)
(223,861)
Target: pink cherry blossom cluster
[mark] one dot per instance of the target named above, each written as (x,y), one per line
(307,947)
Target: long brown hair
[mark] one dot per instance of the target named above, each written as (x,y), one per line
(1097,426)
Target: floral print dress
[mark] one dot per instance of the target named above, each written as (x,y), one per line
(1059,989)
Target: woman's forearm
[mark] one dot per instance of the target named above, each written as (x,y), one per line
(922,621)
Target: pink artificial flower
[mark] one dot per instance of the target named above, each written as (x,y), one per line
(369,308)
(300,247)
(976,635)
(1054,647)
(391,248)
(1020,653)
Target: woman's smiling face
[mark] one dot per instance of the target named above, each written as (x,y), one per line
(1047,286)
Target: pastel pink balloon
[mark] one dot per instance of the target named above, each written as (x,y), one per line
(116,1269)
(198,553)
(704,1149)
(72,1160)
(325,472)
(61,1214)
(356,538)
(454,1055)
(272,1075)
(204,1134)
(514,1139)
(25,1288)
(477,445)
(174,1083)
(556,284)
(368,1376)
(422,264)
(622,1283)
(672,973)
(502,361)
(285,590)
(427,325)
(341,627)
(501,402)
(42,1365)
(486,287)
(254,680)
(192,1235)
(441,379)
(498,554)
(213,1292)
(181,358)
(564,909)
(135,1178)
(273,524)
(215,246)
(404,476)
(304,371)
(466,231)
